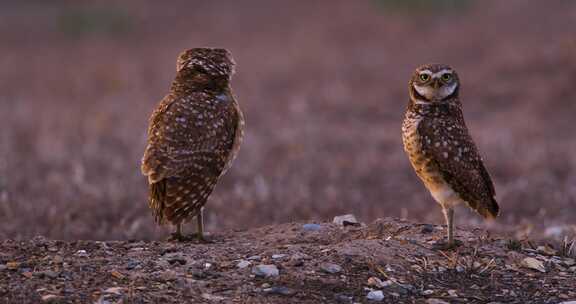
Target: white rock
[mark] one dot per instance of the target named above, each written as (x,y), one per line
(344,220)
(375,295)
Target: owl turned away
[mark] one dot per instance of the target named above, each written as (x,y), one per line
(194,134)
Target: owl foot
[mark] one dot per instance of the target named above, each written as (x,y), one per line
(177,237)
(194,237)
(443,245)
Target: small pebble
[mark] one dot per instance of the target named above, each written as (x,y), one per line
(342,298)
(131,264)
(278,256)
(346,220)
(50,298)
(265,271)
(280,290)
(81,253)
(436,301)
(311,227)
(427,228)
(243,264)
(330,268)
(254,258)
(375,295)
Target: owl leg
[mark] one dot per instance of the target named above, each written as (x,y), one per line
(451,243)
(177,234)
(200,224)
(449,214)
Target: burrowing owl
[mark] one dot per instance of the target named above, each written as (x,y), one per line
(193,137)
(439,147)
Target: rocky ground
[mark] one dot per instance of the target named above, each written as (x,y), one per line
(388,261)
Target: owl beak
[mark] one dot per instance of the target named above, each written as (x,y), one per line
(436,84)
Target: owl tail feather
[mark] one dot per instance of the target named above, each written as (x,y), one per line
(156,200)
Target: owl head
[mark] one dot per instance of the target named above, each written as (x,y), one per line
(213,63)
(433,83)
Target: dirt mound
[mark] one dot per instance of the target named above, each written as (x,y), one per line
(389,260)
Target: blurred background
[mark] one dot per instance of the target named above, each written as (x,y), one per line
(323,85)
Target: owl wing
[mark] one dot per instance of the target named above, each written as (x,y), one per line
(190,135)
(448,143)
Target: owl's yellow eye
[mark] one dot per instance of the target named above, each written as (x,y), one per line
(424,77)
(446,77)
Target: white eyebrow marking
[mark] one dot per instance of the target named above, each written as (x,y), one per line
(442,72)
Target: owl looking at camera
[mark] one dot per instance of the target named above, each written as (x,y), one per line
(440,148)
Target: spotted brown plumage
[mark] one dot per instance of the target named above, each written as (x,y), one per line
(440,148)
(193,136)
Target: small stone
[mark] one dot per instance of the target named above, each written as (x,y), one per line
(330,268)
(265,285)
(452,293)
(436,301)
(243,264)
(81,253)
(280,290)
(114,290)
(427,228)
(50,298)
(346,220)
(311,227)
(533,263)
(427,292)
(175,259)
(569,302)
(376,282)
(375,295)
(278,256)
(132,264)
(265,271)
(211,297)
(459,268)
(342,298)
(254,258)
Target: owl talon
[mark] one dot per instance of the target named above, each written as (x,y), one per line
(177,237)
